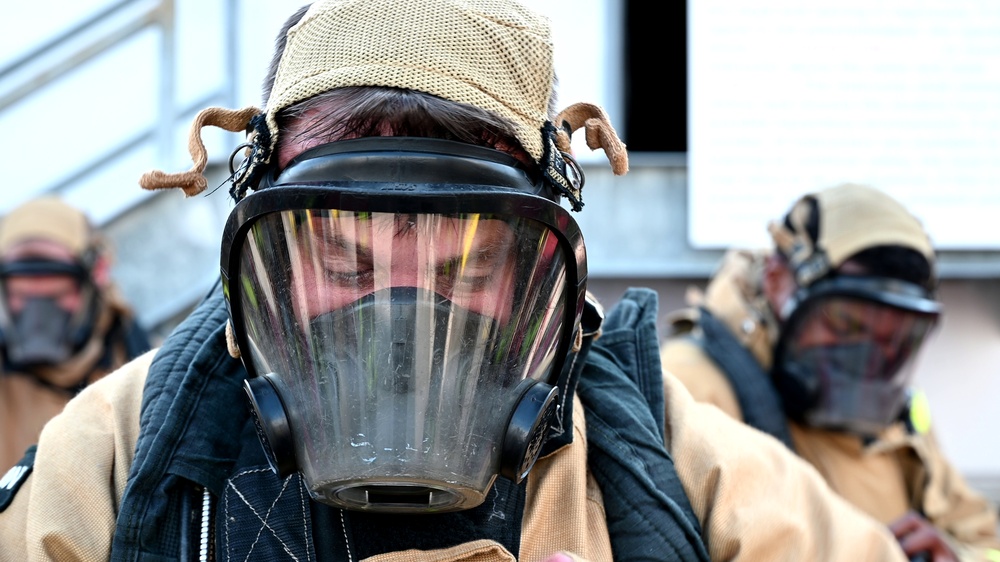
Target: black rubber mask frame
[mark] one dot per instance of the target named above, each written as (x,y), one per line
(409,175)
(413,176)
(892,292)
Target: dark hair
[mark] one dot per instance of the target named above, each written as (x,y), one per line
(368,111)
(895,262)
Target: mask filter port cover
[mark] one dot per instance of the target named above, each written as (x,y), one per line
(273,427)
(526,429)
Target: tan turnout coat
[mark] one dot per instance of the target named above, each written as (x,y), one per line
(753,498)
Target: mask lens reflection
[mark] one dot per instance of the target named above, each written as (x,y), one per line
(854,357)
(891,335)
(396,342)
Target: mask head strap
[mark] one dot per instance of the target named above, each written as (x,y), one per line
(808,261)
(36,267)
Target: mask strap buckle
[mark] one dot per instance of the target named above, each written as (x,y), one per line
(193,182)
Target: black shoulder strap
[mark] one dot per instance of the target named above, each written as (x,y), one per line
(754,390)
(125,334)
(11,482)
(135,338)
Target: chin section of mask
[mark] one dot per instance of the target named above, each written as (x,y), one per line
(40,335)
(843,387)
(403,405)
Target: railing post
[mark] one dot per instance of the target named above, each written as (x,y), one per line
(232,39)
(167,112)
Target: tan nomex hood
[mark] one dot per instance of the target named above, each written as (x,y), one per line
(47,218)
(852,218)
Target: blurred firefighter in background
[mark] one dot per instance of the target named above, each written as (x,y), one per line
(814,341)
(63,323)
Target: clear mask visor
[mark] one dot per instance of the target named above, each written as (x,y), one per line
(399,344)
(856,356)
(47,312)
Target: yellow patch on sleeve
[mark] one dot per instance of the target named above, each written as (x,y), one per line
(920,414)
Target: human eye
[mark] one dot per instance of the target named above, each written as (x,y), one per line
(843,320)
(346,277)
(477,282)
(458,276)
(343,263)
(342,254)
(342,272)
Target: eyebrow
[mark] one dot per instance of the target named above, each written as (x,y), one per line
(463,258)
(321,231)
(488,243)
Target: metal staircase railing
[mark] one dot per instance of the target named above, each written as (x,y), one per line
(23,76)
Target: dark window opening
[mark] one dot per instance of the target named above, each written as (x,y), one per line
(655,77)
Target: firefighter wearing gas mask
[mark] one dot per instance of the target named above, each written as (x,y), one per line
(403,308)
(62,323)
(814,342)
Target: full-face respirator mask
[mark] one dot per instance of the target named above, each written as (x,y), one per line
(844,360)
(41,333)
(404,308)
